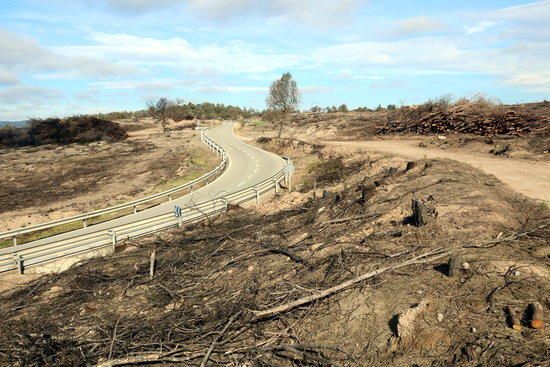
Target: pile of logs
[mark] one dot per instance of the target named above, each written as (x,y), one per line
(459,119)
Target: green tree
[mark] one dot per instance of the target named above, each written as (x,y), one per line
(159,111)
(284,98)
(343,108)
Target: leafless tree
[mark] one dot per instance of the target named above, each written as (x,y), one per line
(159,111)
(284,98)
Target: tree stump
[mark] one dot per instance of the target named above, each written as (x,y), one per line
(536,315)
(410,165)
(513,320)
(453,266)
(422,212)
(418,213)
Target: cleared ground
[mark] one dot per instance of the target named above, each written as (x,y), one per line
(51,182)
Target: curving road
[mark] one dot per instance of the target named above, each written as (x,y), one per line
(247,167)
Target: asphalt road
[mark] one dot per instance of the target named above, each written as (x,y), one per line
(247,167)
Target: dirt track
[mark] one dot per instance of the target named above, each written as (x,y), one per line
(527,177)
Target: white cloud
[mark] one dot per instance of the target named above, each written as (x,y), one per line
(421,24)
(7,77)
(440,55)
(139,6)
(535,82)
(232,89)
(21,54)
(532,12)
(312,12)
(27,94)
(479,27)
(178,53)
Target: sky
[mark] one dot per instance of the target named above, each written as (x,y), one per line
(64,57)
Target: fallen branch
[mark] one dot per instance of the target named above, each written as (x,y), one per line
(421,259)
(218,338)
(144,360)
(349,219)
(290,255)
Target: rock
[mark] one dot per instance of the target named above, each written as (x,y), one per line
(465,266)
(53,291)
(441,137)
(130,248)
(500,149)
(473,329)
(407,319)
(440,317)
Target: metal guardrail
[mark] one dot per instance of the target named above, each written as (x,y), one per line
(130,204)
(22,256)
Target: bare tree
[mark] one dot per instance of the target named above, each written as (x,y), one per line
(159,111)
(284,98)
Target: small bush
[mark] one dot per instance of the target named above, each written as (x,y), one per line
(325,172)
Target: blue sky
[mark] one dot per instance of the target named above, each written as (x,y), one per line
(65,57)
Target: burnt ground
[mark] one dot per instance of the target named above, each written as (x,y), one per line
(49,182)
(215,292)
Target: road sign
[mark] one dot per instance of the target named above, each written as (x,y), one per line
(289,168)
(177,211)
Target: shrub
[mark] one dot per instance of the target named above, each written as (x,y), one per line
(324,172)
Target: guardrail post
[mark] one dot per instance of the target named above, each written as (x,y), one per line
(14,240)
(169,197)
(135,209)
(84,223)
(20,265)
(112,234)
(289,182)
(276,186)
(192,188)
(257,195)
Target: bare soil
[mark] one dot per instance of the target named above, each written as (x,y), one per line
(50,182)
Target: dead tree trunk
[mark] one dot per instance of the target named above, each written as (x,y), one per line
(418,213)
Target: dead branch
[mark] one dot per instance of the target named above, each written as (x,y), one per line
(421,259)
(218,338)
(144,360)
(349,219)
(290,255)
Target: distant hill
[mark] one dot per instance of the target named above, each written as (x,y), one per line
(13,123)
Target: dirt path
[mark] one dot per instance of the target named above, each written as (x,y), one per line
(527,177)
